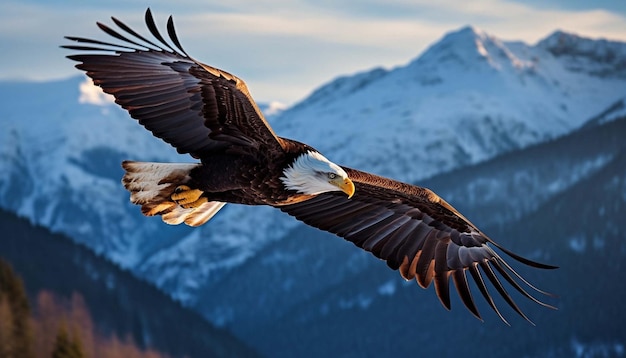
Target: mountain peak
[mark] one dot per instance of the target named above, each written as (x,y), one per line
(561,42)
(469,48)
(599,57)
(468,38)
(465,33)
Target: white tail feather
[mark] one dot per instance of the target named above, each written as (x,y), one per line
(193,217)
(151,185)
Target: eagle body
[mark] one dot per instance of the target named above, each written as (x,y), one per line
(248,179)
(209,114)
(239,179)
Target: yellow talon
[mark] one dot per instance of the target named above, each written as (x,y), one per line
(195,204)
(181,188)
(187,197)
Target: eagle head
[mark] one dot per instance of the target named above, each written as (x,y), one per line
(311,173)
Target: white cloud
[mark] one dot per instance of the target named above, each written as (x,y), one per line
(275,107)
(92,94)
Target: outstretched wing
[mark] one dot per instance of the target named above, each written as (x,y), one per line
(417,233)
(194,107)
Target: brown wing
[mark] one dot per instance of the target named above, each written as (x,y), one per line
(417,233)
(194,107)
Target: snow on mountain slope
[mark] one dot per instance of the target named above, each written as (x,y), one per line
(60,163)
(468,98)
(615,111)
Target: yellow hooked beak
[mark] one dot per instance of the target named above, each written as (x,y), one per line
(346,185)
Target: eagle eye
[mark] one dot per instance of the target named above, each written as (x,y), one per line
(332,176)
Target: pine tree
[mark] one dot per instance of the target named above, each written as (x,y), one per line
(77,346)
(17,340)
(82,322)
(65,346)
(6,328)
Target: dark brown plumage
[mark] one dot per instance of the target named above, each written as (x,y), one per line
(210,114)
(417,233)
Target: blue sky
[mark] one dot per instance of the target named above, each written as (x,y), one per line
(285,49)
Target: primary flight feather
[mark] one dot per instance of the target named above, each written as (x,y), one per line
(210,114)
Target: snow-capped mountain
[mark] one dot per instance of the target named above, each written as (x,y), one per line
(468,98)
(60,164)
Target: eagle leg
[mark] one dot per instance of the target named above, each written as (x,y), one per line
(188,198)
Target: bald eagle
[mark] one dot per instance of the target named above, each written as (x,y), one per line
(209,113)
